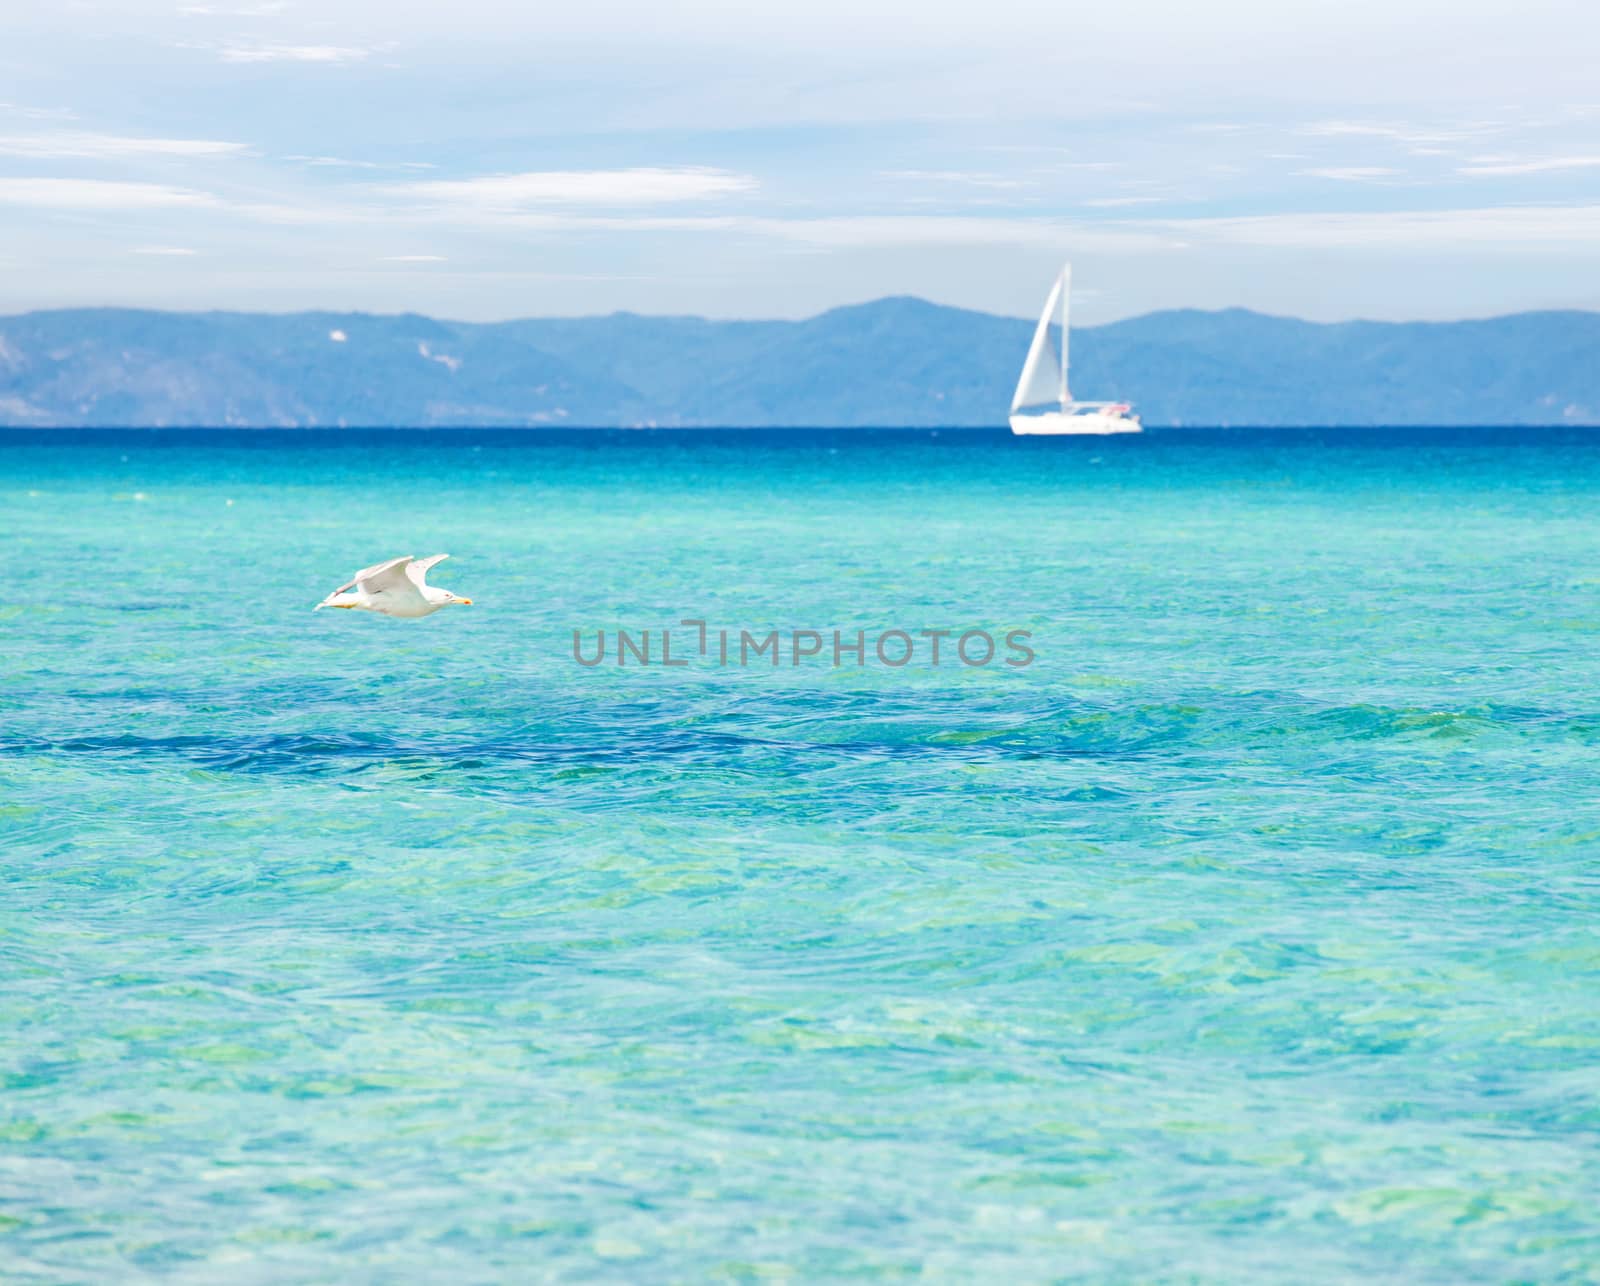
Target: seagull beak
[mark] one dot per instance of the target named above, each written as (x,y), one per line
(465,602)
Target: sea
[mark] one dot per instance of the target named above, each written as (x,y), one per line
(1237,920)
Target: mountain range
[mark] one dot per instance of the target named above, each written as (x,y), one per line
(897,361)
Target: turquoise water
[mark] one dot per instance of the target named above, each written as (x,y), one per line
(1249,934)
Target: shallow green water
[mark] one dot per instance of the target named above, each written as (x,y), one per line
(1249,934)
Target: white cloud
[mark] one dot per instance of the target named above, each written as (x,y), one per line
(340,162)
(557,223)
(1543,165)
(80,145)
(642,186)
(39,113)
(1415,140)
(1351,173)
(865,231)
(1411,134)
(1336,129)
(958,177)
(897,231)
(163,250)
(98,194)
(336,161)
(242,11)
(1114,202)
(293,54)
(414,259)
(1546,228)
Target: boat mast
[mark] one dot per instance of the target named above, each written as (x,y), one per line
(1066,299)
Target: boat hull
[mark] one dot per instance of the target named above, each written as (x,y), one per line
(1057,423)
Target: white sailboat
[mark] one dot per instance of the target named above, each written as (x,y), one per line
(1042,403)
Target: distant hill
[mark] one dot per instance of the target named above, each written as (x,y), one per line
(892,362)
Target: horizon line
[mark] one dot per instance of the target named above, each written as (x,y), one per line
(786,321)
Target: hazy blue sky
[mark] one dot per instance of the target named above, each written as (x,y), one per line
(479,159)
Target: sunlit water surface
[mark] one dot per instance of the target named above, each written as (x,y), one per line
(1252,933)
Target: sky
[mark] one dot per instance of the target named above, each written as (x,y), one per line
(478,159)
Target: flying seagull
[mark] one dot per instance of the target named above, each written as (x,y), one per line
(394,588)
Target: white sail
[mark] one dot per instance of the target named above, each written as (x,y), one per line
(1066,332)
(1041,381)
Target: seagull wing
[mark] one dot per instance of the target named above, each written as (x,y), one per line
(418,569)
(384,577)
(365,578)
(390,590)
